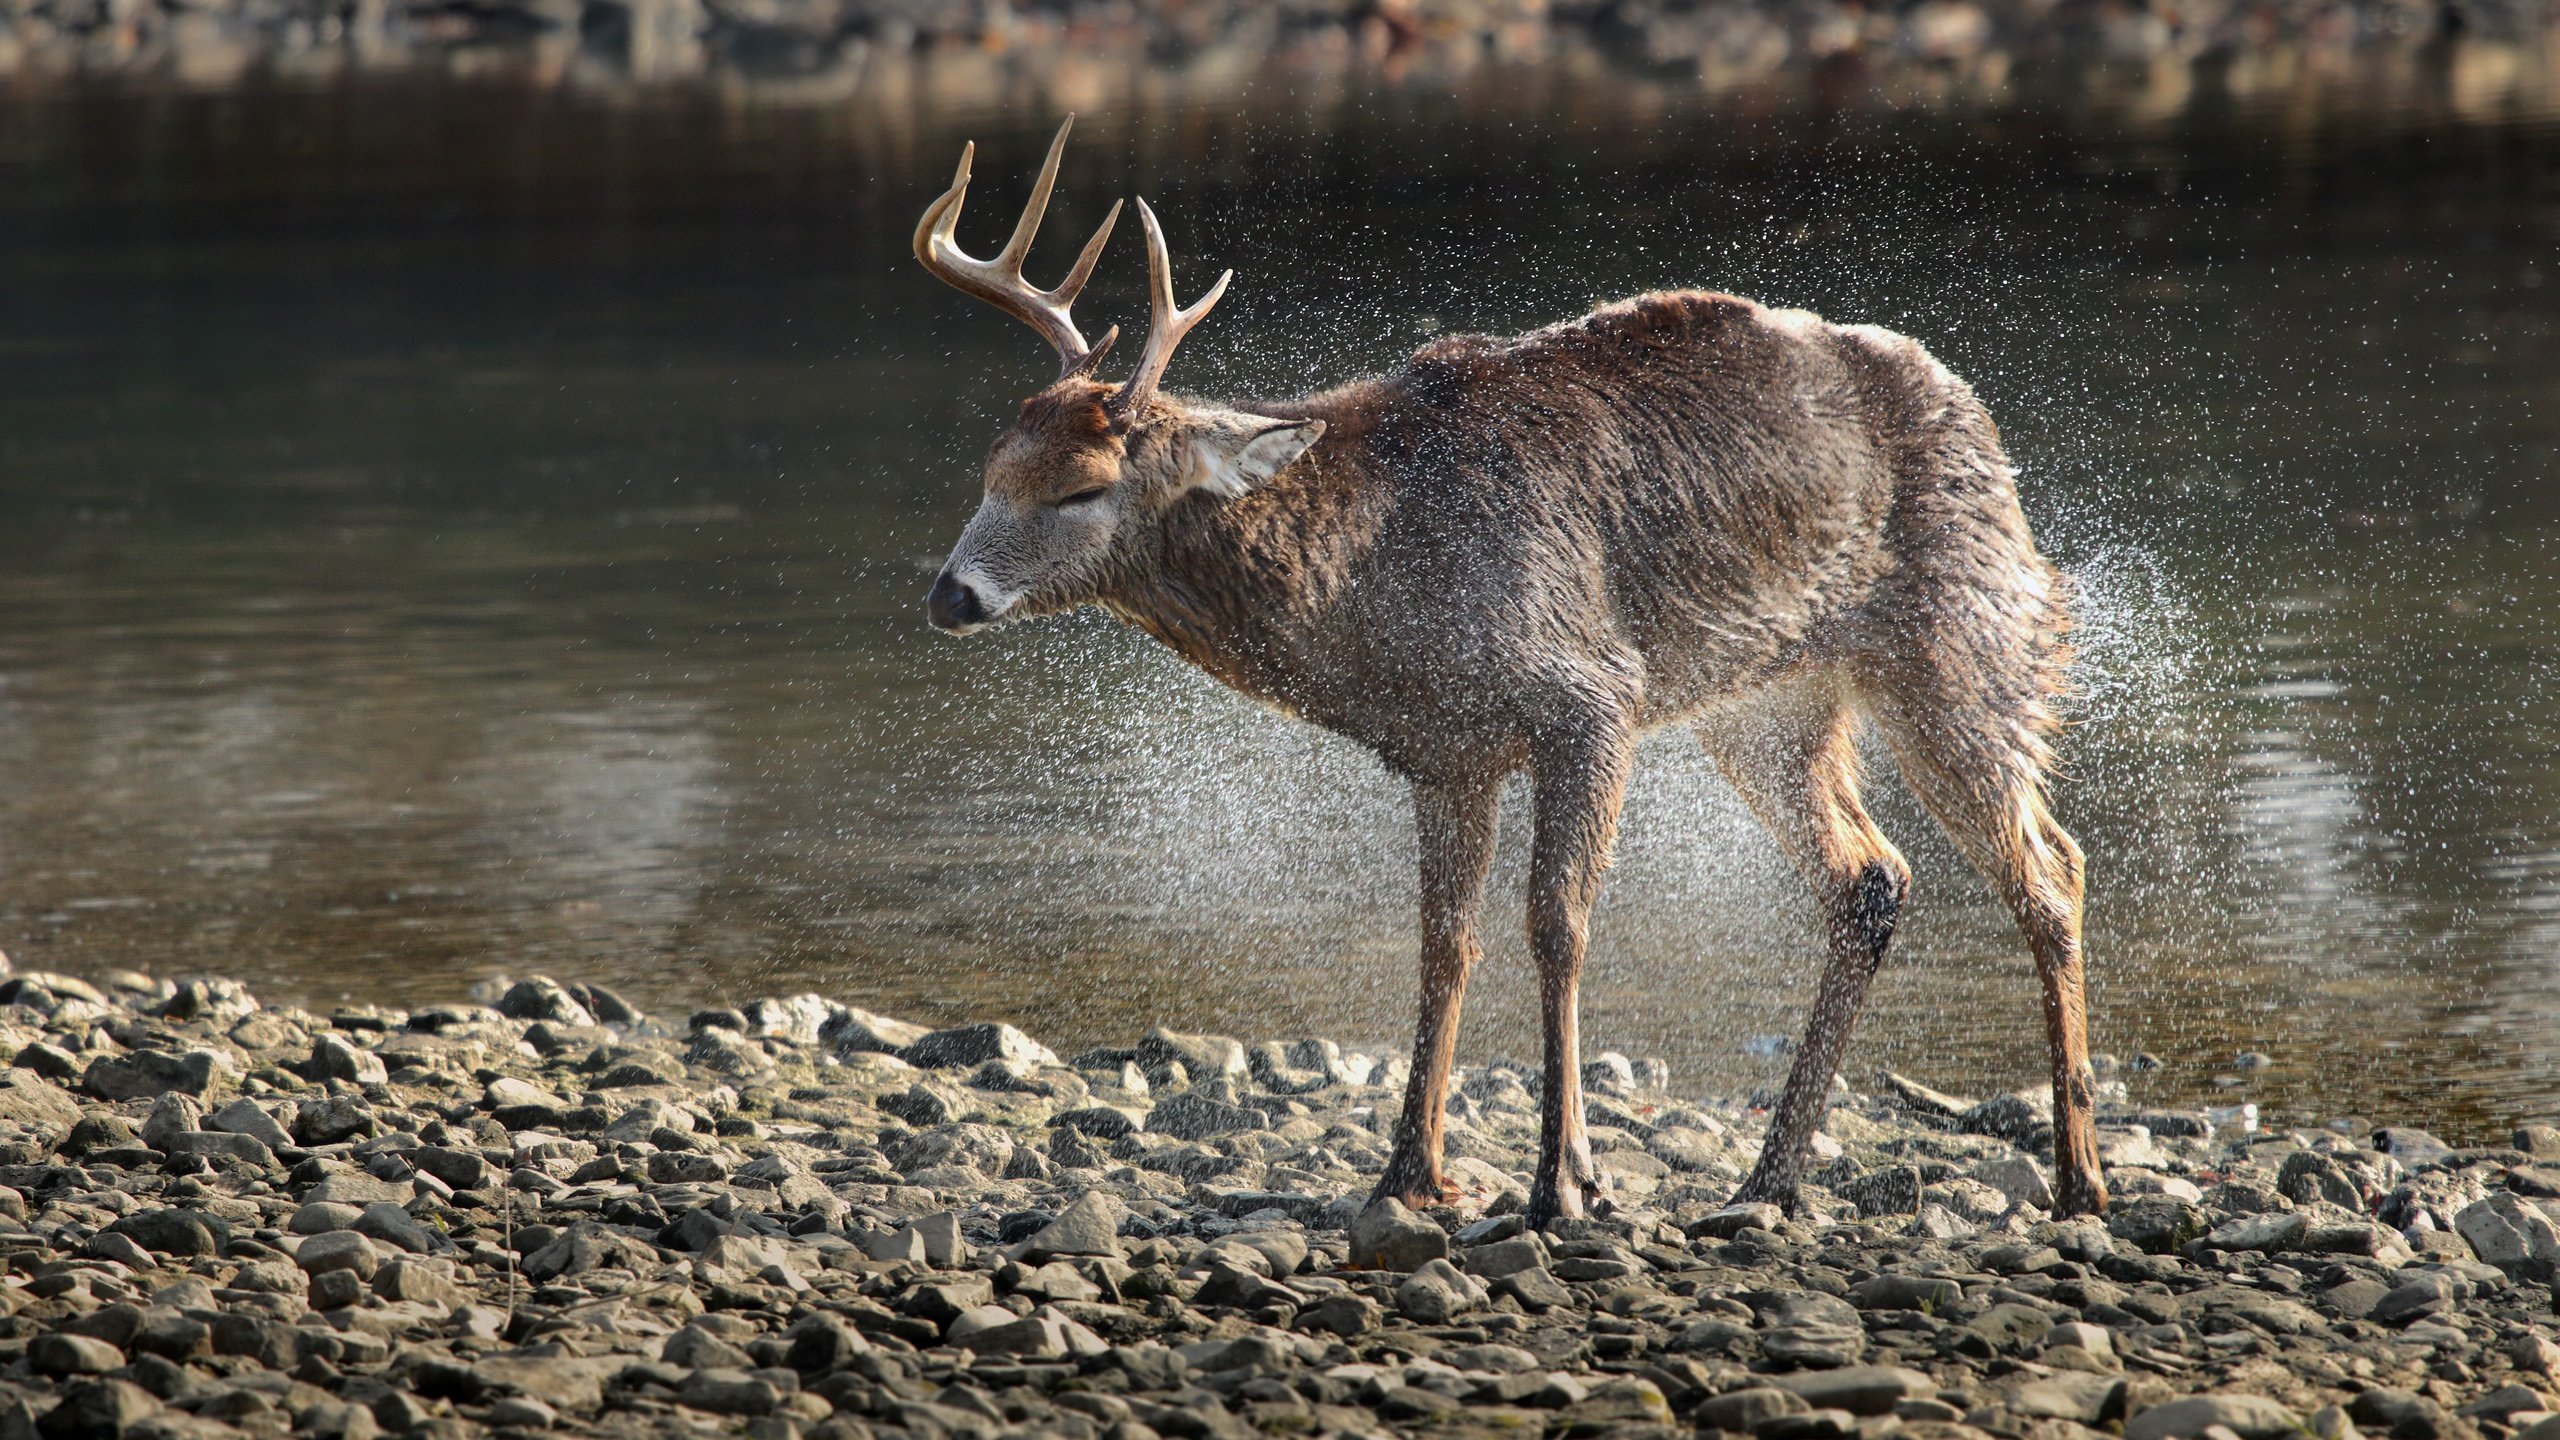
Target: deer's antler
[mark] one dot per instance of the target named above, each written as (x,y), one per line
(999,281)
(1170,322)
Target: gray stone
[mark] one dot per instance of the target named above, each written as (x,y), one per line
(1202,1057)
(1387,1236)
(246,1148)
(821,1342)
(334,1057)
(698,1349)
(2387,1410)
(103,1409)
(2074,1395)
(338,1250)
(2279,1231)
(966,1046)
(522,1412)
(587,1246)
(2251,1417)
(729,1392)
(1090,1226)
(2504,1402)
(1690,1151)
(2410,1147)
(247,1117)
(1536,1289)
(1809,1329)
(454,1169)
(2016,1118)
(1748,1409)
(361,1189)
(181,1233)
(859,1032)
(393,1226)
(59,1356)
(2416,1298)
(2019,1178)
(1858,1389)
(322,1216)
(145,1074)
(1930,1293)
(1347,1314)
(335,1290)
(567,1382)
(2012,1325)
(2354,1300)
(2512,1233)
(415,1282)
(1524,1251)
(943,1243)
(27,1100)
(1033,1337)
(1193,1116)
(919,1105)
(890,1246)
(1437,1292)
(171,1116)
(331,1120)
(1732,1220)
(2156,1223)
(540,997)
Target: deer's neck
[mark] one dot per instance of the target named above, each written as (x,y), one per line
(1249,589)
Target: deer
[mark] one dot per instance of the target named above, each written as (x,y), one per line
(1523,555)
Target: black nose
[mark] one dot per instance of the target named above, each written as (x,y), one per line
(952,604)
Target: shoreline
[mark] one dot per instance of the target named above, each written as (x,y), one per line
(547,1210)
(902,67)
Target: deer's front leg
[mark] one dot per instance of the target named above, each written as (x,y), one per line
(1455,825)
(1579,785)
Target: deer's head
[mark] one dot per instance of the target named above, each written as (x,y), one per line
(1078,490)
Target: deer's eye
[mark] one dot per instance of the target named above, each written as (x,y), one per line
(1082,497)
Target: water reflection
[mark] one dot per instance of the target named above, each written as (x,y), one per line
(437,553)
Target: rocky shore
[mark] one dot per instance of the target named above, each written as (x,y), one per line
(830,49)
(547,1211)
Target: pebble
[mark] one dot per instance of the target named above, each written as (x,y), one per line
(752,1225)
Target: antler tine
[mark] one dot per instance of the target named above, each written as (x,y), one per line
(1169,322)
(999,281)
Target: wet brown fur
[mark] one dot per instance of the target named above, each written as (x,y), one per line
(1684,508)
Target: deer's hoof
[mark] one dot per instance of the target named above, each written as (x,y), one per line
(1419,1195)
(2080,1195)
(1415,1187)
(1756,1191)
(1550,1201)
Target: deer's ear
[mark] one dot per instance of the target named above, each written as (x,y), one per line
(1229,459)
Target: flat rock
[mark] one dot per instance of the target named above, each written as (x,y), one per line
(1387,1236)
(61,1356)
(2077,1396)
(2251,1417)
(964,1046)
(1437,1292)
(1858,1389)
(1201,1056)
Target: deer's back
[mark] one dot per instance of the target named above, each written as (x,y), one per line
(1716,485)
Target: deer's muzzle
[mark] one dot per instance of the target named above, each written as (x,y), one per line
(953,605)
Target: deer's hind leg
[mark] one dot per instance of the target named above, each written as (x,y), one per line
(1794,761)
(1973,749)
(1579,776)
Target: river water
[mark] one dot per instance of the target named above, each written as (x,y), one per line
(452,528)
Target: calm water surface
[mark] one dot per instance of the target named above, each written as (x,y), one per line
(452,530)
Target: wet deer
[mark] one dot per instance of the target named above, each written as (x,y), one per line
(1523,554)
